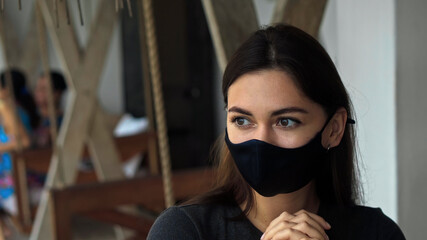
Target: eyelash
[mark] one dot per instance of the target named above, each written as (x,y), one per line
(297,122)
(234,119)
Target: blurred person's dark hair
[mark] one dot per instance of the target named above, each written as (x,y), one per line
(58,81)
(23,97)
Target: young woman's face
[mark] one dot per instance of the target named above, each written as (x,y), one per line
(268,106)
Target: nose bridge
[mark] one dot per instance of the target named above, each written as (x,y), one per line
(263,133)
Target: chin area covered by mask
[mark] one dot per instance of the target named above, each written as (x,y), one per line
(271,170)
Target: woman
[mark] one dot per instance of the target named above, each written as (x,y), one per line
(287,167)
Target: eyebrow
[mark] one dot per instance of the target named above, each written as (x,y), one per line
(275,113)
(239,110)
(289,110)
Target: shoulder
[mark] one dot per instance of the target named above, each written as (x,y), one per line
(386,228)
(173,222)
(361,221)
(187,222)
(203,221)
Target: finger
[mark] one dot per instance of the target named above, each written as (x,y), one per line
(291,234)
(279,226)
(315,217)
(306,218)
(285,216)
(310,231)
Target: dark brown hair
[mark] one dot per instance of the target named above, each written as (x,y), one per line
(295,52)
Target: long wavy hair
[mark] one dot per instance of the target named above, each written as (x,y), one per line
(295,52)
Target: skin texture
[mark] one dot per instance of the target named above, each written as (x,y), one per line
(267,105)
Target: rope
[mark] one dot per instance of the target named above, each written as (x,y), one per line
(158,101)
(129,8)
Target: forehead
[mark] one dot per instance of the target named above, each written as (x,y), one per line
(268,88)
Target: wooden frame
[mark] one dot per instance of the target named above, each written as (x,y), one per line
(306,14)
(146,192)
(230,23)
(83,120)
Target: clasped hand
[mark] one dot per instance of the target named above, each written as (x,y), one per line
(301,225)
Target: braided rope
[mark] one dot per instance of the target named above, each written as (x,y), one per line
(158,100)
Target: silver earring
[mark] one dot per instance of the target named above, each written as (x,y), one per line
(329,147)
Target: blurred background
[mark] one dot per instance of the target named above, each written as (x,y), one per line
(377,46)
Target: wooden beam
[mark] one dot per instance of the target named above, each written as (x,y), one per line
(137,223)
(230,22)
(145,191)
(63,38)
(102,147)
(83,73)
(96,51)
(38,159)
(94,199)
(304,14)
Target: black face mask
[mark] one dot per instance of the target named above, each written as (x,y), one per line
(271,170)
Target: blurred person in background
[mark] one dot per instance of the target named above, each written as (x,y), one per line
(13,129)
(42,136)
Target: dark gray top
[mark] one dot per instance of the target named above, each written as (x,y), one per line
(215,221)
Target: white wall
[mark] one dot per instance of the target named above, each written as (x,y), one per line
(361,35)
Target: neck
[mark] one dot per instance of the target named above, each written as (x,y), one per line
(266,209)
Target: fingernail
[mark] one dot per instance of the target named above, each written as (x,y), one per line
(262,236)
(328,225)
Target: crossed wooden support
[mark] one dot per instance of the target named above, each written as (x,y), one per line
(84,118)
(232,21)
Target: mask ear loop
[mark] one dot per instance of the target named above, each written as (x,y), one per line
(349,121)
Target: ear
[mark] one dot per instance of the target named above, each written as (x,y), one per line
(335,129)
